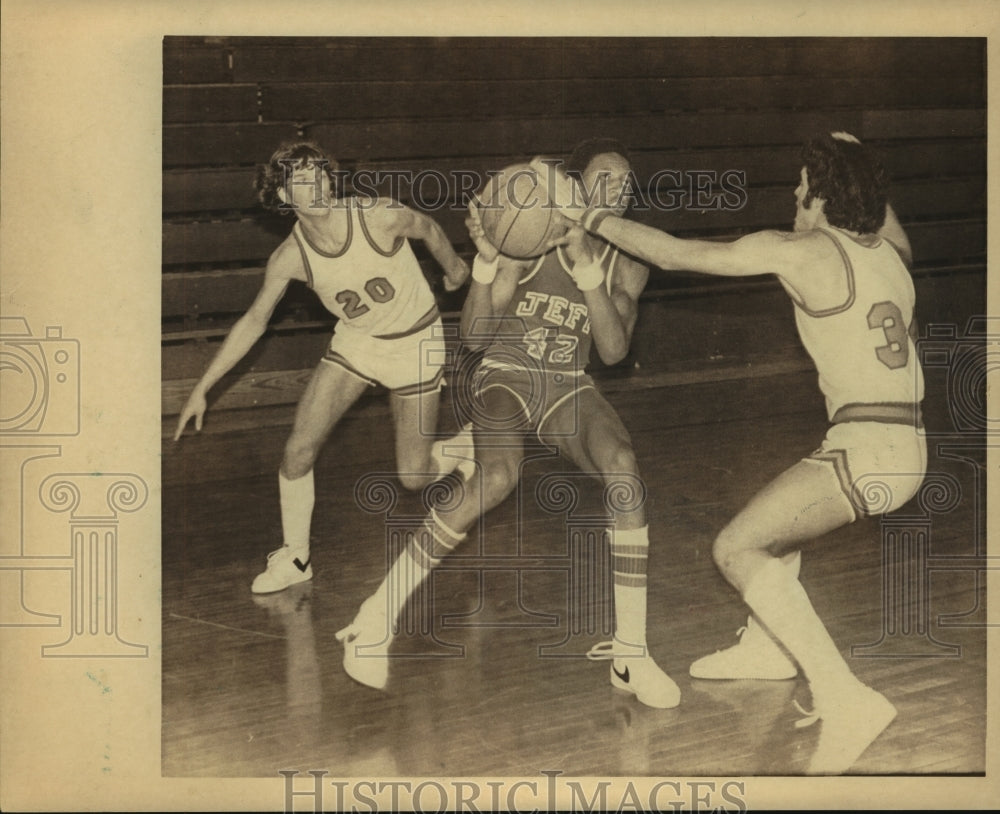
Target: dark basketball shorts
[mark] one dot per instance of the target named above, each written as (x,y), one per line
(539,394)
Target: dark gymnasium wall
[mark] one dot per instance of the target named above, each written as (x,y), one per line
(684,105)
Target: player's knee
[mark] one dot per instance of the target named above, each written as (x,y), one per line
(299,458)
(499,481)
(415,480)
(619,461)
(726,550)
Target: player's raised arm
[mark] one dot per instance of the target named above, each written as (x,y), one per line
(768,252)
(398,220)
(283,266)
(612,313)
(892,230)
(759,253)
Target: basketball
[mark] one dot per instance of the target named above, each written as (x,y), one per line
(515,213)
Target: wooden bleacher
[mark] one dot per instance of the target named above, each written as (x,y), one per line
(473,105)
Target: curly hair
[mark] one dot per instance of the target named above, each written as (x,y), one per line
(851,179)
(290,156)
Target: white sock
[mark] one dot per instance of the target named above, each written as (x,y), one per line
(297,499)
(792,563)
(629,553)
(781,603)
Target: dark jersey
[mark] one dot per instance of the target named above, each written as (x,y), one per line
(547,325)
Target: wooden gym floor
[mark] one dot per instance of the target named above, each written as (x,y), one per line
(253,685)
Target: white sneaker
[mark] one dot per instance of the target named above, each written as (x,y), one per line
(756,656)
(366,645)
(852,717)
(283,569)
(633,670)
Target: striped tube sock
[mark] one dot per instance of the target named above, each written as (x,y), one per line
(433,541)
(297,498)
(629,556)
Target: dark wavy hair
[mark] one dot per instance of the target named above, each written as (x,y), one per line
(290,155)
(850,177)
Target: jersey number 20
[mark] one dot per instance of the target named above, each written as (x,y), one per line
(887,316)
(378,288)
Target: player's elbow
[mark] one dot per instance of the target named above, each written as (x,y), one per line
(906,254)
(425,229)
(254,321)
(613,354)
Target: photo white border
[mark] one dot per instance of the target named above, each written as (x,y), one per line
(80,243)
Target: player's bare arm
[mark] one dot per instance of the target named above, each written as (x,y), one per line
(284,265)
(892,230)
(612,314)
(394,220)
(807,263)
(767,252)
(628,282)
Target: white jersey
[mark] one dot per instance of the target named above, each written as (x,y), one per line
(380,293)
(863,348)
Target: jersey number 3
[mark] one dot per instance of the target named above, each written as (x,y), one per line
(887,317)
(378,288)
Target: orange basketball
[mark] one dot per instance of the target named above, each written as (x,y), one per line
(516,214)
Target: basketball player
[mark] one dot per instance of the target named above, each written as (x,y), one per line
(537,320)
(845,266)
(355,254)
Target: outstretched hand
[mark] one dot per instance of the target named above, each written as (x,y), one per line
(474,224)
(195,408)
(574,242)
